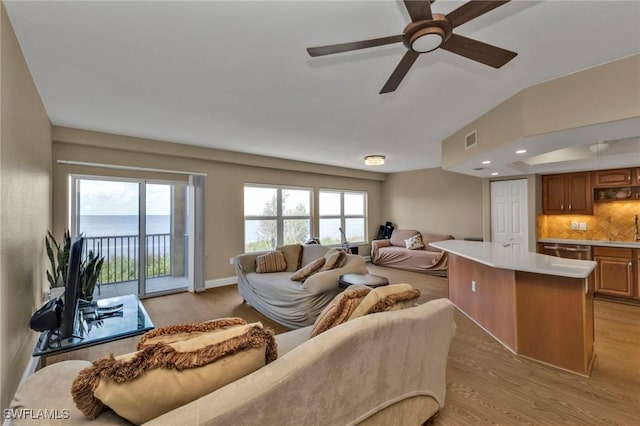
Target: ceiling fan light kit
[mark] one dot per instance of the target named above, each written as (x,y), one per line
(427,39)
(427,32)
(374,160)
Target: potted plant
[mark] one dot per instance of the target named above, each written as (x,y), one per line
(59,262)
(89,274)
(89,269)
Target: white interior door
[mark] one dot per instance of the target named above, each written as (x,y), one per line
(509,213)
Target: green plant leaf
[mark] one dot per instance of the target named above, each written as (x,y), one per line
(91,270)
(52,281)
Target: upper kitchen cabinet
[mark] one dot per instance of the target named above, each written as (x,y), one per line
(616,185)
(567,193)
(609,178)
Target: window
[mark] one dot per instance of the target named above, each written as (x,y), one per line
(275,215)
(342,209)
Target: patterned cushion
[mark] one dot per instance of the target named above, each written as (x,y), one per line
(340,308)
(399,235)
(292,255)
(273,261)
(334,258)
(179,332)
(310,269)
(143,385)
(414,243)
(388,298)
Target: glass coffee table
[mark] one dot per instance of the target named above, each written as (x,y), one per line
(99,321)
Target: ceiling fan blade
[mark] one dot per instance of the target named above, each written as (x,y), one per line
(401,70)
(478,51)
(472,10)
(355,45)
(419,10)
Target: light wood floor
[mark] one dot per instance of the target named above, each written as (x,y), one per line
(486,384)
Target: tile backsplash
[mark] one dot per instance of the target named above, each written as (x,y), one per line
(610,221)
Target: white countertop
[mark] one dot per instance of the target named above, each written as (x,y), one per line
(604,243)
(498,256)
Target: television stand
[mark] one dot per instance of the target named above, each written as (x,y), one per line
(98,322)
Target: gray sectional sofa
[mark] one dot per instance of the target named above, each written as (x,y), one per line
(292,303)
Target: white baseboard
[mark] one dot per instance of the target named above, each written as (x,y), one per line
(220,282)
(31,368)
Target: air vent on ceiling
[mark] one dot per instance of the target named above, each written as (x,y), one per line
(478,168)
(471,140)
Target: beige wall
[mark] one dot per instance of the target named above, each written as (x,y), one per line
(25,208)
(601,94)
(434,200)
(224,183)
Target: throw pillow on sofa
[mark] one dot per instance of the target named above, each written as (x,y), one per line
(333,259)
(161,377)
(414,243)
(179,332)
(339,310)
(292,255)
(308,270)
(273,261)
(399,235)
(388,298)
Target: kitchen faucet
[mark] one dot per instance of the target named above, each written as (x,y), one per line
(636,235)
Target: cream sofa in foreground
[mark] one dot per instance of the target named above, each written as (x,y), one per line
(380,369)
(292,303)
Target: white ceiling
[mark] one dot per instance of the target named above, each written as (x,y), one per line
(235,75)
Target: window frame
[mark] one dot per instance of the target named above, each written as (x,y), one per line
(342,216)
(279,218)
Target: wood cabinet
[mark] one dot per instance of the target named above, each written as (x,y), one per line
(568,193)
(553,194)
(615,271)
(610,178)
(616,185)
(637,266)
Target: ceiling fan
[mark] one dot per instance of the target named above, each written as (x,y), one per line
(429,31)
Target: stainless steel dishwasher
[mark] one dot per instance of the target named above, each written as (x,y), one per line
(568,251)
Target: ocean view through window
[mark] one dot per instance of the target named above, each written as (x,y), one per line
(108,212)
(99,225)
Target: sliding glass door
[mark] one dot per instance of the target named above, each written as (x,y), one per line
(139,227)
(165,228)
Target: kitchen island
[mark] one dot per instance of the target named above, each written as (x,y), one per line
(538,306)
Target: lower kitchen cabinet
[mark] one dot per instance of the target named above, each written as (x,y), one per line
(637,295)
(615,271)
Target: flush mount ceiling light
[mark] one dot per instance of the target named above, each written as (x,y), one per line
(374,160)
(521,151)
(486,162)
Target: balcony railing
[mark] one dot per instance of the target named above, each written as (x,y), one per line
(121,256)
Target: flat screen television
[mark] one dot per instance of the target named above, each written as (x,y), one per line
(72,290)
